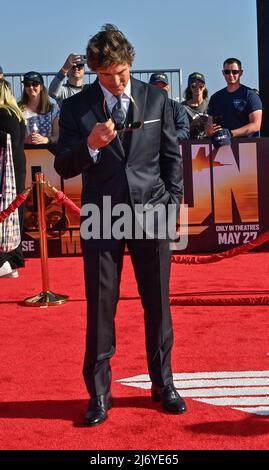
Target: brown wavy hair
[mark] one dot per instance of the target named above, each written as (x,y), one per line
(107,47)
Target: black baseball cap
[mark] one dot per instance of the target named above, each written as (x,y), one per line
(158,77)
(221,137)
(196,76)
(33,77)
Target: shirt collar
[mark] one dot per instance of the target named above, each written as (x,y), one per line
(111,98)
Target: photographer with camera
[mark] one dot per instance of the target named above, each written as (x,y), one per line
(74,69)
(236,110)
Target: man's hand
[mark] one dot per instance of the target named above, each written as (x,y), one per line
(71,60)
(212,128)
(102,134)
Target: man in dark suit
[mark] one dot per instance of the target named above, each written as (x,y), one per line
(119,134)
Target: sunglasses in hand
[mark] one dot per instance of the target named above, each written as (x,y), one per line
(122,127)
(129,127)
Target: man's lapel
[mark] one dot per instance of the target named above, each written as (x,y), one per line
(139,97)
(95,97)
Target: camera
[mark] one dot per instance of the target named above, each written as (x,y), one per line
(198,126)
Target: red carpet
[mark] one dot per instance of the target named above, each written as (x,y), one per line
(220,361)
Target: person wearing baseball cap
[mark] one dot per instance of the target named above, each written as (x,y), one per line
(196,104)
(74,70)
(160,80)
(194,77)
(41,115)
(159,77)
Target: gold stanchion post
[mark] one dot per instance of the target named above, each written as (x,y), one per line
(46,297)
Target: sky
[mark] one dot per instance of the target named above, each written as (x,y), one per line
(194,35)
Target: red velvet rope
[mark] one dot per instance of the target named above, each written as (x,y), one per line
(18,201)
(185,259)
(215,257)
(62,198)
(204,299)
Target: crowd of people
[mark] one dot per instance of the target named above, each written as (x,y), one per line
(142,167)
(234,111)
(236,108)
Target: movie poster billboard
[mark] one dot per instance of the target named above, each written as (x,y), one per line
(226,195)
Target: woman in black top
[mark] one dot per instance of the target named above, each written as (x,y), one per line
(12,122)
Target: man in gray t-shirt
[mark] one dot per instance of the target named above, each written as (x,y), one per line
(74,69)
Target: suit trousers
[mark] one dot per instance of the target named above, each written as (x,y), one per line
(151,260)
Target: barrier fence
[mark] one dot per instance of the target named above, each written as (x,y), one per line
(174,77)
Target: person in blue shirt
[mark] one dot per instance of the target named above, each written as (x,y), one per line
(180,116)
(236,107)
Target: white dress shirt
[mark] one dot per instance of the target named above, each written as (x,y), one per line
(111,100)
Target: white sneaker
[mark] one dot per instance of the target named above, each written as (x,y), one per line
(14,273)
(5,269)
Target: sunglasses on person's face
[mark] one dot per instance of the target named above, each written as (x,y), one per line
(119,127)
(78,66)
(197,85)
(233,72)
(34,84)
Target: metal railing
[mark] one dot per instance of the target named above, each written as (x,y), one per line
(174,77)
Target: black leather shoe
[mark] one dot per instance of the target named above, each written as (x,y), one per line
(97,410)
(171,400)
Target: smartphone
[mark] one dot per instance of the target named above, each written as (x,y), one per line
(82,59)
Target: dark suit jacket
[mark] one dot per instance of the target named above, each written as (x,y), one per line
(150,169)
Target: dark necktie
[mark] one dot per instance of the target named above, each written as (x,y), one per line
(118,111)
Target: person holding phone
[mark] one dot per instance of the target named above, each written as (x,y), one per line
(74,69)
(239,106)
